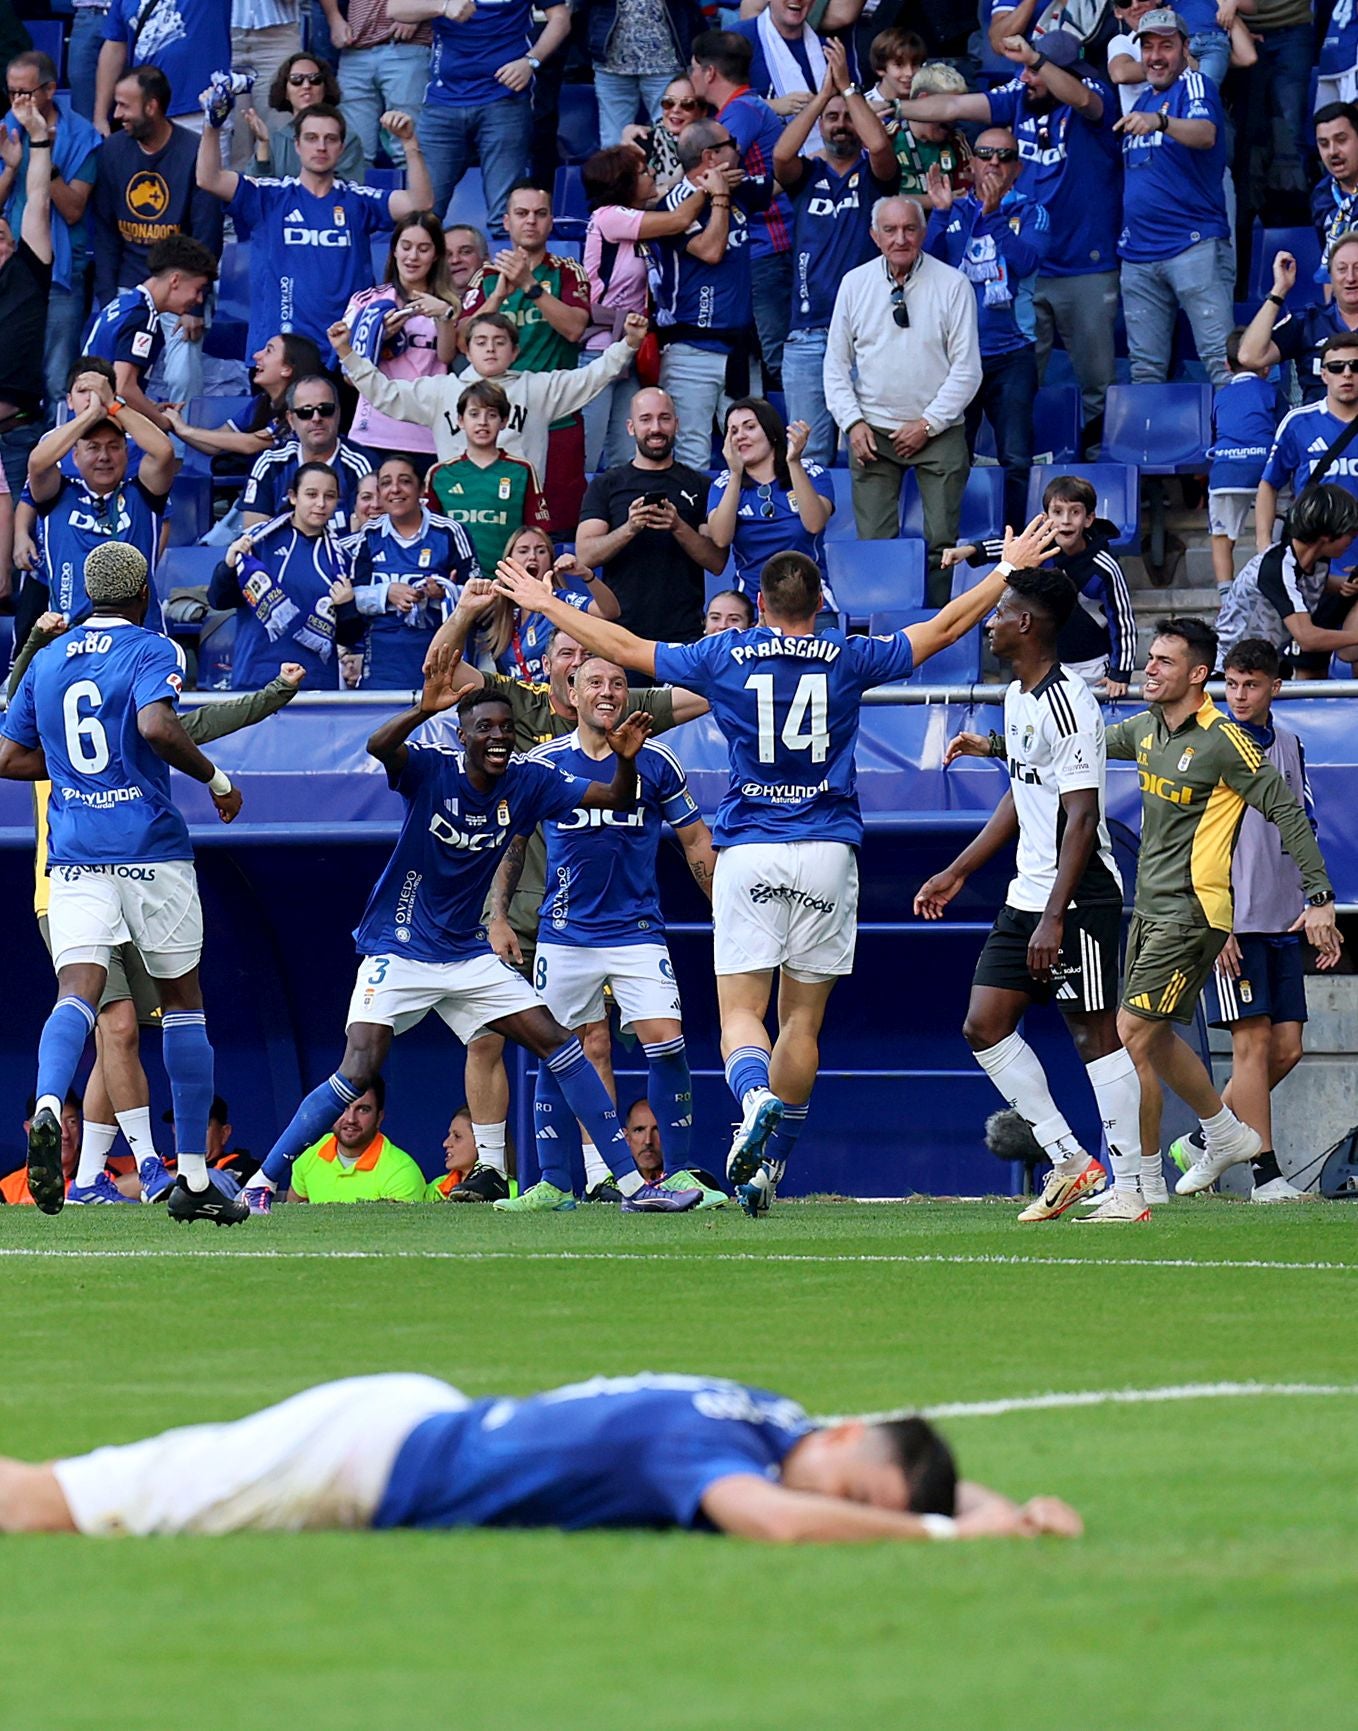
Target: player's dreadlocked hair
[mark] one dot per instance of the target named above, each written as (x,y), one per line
(927,1462)
(114,573)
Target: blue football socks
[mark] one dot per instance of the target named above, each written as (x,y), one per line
(669,1091)
(310,1121)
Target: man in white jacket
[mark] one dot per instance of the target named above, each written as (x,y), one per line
(535,399)
(902,363)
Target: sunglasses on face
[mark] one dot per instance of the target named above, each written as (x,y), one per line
(1337,367)
(900,313)
(310,410)
(668,102)
(995,153)
(297,79)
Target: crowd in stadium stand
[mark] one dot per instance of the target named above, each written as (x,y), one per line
(327,306)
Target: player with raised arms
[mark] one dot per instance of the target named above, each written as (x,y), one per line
(421,940)
(600,924)
(624,1451)
(1056,937)
(785,895)
(94,715)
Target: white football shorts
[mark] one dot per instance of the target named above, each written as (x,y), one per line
(93,909)
(788,905)
(321,1459)
(571,977)
(396,993)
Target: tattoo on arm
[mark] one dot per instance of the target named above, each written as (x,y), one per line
(506,879)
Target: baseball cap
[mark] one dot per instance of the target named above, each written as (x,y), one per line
(1164,21)
(1060,47)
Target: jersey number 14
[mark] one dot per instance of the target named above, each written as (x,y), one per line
(807,727)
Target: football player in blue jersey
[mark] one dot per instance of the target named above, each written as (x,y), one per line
(94,715)
(100,504)
(600,921)
(647,1451)
(785,896)
(421,940)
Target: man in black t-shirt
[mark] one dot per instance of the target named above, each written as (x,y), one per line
(642,523)
(26,275)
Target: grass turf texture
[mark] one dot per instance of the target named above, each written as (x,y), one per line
(1214,1588)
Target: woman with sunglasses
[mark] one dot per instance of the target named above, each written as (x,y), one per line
(680,106)
(288,584)
(637,47)
(767,500)
(515,642)
(300,82)
(416,337)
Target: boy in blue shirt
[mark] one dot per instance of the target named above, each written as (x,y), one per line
(127,332)
(94,715)
(1244,421)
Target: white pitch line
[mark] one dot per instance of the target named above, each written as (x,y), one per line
(1107,1397)
(62,1253)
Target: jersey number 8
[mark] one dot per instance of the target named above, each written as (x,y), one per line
(807,726)
(86,741)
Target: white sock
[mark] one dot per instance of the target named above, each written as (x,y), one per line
(596,1167)
(629,1183)
(136,1127)
(1152,1165)
(1117,1090)
(490,1145)
(193,1170)
(1222,1129)
(1013,1067)
(95,1142)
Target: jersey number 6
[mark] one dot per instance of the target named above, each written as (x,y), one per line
(86,741)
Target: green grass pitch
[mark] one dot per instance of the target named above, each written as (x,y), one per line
(1215,1587)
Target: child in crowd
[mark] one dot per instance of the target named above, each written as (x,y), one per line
(895,57)
(1244,423)
(491,493)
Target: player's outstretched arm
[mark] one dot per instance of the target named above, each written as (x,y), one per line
(164,732)
(388,744)
(443,659)
(599,636)
(752,1508)
(230,714)
(1021,552)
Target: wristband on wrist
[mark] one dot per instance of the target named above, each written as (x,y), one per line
(1037,62)
(939,1526)
(1277,300)
(220,785)
(40,144)
(1002,569)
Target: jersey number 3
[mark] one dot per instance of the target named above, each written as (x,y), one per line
(86,741)
(807,726)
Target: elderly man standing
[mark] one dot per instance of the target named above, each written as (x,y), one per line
(902,364)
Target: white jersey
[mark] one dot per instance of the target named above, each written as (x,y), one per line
(1054,741)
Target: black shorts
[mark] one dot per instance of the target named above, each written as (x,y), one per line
(1086,976)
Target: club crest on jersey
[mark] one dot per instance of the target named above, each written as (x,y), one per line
(1185,760)
(506,486)
(1029,734)
(426,556)
(337,215)
(502,814)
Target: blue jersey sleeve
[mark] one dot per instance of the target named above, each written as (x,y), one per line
(1282,459)
(689,664)
(879,660)
(1004,104)
(677,804)
(133,343)
(158,674)
(261,489)
(246,207)
(370,206)
(21,718)
(421,764)
(548,792)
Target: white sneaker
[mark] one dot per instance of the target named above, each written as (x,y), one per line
(1155,1190)
(1118,1206)
(1205,1171)
(1279,1190)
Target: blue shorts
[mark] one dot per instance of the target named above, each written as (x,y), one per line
(1271,983)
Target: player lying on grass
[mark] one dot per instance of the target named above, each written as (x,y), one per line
(421,940)
(635,1451)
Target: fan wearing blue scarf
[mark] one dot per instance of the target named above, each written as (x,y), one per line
(288,582)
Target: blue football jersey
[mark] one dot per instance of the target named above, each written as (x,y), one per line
(76,521)
(398,642)
(79,699)
(1172,196)
(788,709)
(281,594)
(427,903)
(625,1451)
(310,255)
(601,885)
(273,472)
(127,329)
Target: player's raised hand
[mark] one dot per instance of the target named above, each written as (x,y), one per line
(437,694)
(292,673)
(1035,544)
(504,940)
(966,745)
(338,336)
(522,587)
(634,329)
(630,734)
(228,805)
(935,893)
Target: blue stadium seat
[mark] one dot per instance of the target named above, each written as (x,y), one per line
(1304,245)
(577,122)
(959,664)
(49,38)
(1057,424)
(380,251)
(966,577)
(233,277)
(841,526)
(982,506)
(1118,488)
(1161,429)
(186,568)
(386,179)
(190,510)
(570,207)
(468,203)
(868,575)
